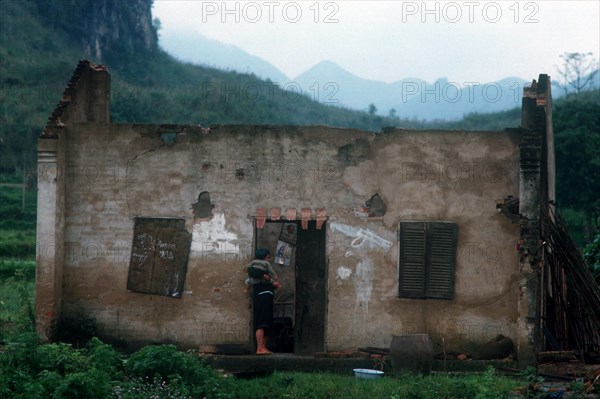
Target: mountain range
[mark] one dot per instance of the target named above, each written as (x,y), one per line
(411,98)
(329,83)
(198,49)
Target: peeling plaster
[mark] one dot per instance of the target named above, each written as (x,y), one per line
(212,236)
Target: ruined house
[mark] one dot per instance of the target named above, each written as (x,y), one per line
(143,230)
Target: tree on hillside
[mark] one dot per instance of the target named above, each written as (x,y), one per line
(372,109)
(578,72)
(577,145)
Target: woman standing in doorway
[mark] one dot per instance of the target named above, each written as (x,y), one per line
(264,282)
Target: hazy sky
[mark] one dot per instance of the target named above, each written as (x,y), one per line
(464,41)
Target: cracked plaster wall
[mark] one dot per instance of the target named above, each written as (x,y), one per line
(454,176)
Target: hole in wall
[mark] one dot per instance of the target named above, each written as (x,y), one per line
(376,206)
(373,207)
(203,208)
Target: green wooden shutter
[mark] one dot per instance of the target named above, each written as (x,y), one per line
(413,251)
(442,259)
(427,259)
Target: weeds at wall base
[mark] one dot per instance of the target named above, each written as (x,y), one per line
(29,369)
(17,309)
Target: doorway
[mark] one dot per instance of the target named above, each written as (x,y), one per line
(299,311)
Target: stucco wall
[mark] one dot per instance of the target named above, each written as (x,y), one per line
(114,173)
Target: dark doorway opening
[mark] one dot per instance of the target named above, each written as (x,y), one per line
(300,305)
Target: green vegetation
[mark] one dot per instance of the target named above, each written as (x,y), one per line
(577,145)
(17,257)
(17,210)
(591,254)
(488,385)
(17,243)
(476,121)
(32,370)
(17,304)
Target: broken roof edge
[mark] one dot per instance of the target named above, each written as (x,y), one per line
(55,122)
(269,126)
(158,128)
(400,130)
(539,89)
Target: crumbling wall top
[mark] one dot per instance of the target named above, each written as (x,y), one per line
(74,97)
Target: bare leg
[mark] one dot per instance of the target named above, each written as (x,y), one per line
(260,341)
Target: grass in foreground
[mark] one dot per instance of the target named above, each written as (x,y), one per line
(325,385)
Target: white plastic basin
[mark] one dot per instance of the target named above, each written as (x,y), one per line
(367,373)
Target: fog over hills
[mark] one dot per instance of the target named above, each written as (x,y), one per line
(193,47)
(331,84)
(410,97)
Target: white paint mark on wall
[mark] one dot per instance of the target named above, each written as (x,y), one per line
(211,236)
(344,273)
(361,236)
(363,282)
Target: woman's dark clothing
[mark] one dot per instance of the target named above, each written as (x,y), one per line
(262,297)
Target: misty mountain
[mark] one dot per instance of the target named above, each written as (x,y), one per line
(410,97)
(329,83)
(414,98)
(193,47)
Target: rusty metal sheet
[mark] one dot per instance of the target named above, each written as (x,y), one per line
(159,256)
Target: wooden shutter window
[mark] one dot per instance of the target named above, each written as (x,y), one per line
(442,259)
(427,259)
(412,259)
